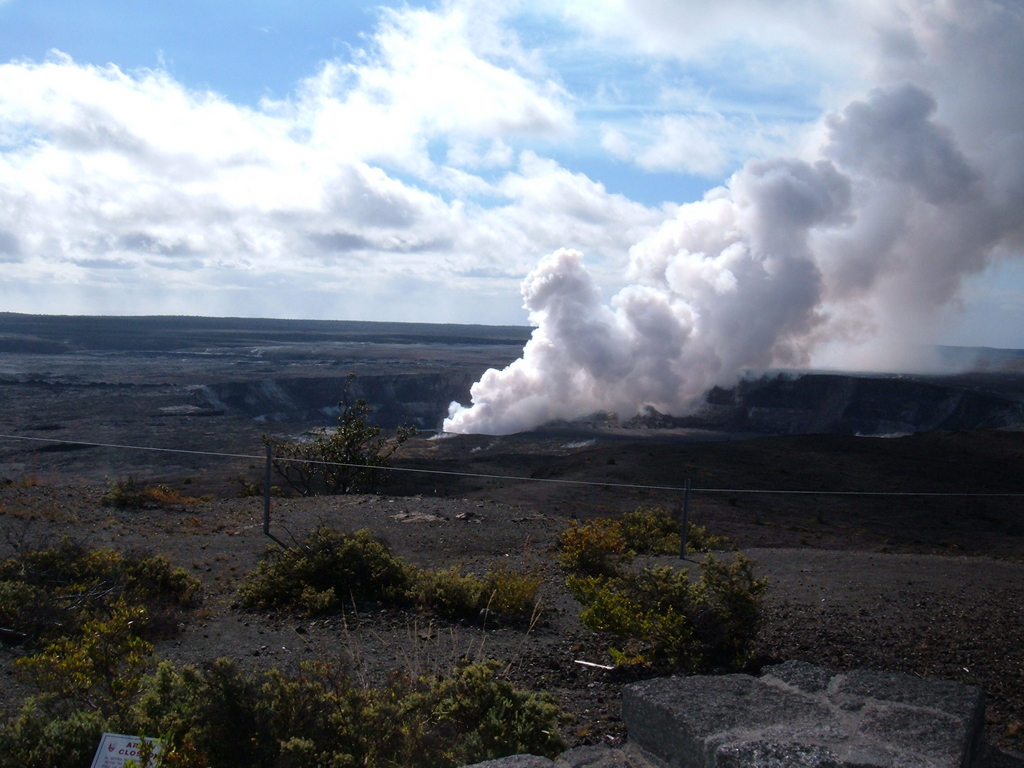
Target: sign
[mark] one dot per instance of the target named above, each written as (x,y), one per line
(116,749)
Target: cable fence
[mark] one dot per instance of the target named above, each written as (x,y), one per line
(528,479)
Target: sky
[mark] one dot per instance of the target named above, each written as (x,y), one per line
(432,162)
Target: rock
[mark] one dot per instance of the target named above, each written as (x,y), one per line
(796,714)
(515,761)
(602,756)
(597,756)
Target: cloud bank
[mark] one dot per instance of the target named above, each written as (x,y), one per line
(864,158)
(857,243)
(397,183)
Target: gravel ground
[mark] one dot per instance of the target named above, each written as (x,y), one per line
(956,618)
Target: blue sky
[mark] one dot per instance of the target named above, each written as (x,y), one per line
(416,162)
(243,50)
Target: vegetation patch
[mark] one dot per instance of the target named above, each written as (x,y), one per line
(347,459)
(129,494)
(55,591)
(596,547)
(223,717)
(503,594)
(86,617)
(660,615)
(601,547)
(664,618)
(331,570)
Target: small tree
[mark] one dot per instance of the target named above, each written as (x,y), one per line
(347,459)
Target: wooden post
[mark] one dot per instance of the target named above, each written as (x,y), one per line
(266,494)
(685,522)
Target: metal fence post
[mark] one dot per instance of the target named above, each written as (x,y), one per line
(266,495)
(685,522)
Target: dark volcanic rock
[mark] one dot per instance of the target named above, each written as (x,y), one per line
(419,399)
(825,403)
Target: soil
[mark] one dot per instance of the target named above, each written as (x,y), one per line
(926,585)
(834,598)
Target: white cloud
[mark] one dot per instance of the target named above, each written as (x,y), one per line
(615,141)
(129,184)
(429,75)
(421,165)
(825,30)
(689,143)
(470,154)
(701,143)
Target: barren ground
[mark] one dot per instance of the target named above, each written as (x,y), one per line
(927,585)
(953,617)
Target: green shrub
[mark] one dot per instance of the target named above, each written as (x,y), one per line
(128,494)
(331,569)
(35,738)
(650,532)
(224,717)
(86,684)
(100,669)
(595,548)
(249,489)
(450,593)
(656,532)
(90,610)
(467,718)
(51,592)
(511,595)
(347,459)
(699,540)
(601,547)
(667,619)
(502,594)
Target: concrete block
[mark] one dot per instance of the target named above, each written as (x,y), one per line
(801,715)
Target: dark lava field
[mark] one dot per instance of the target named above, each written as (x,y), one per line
(218,385)
(847,490)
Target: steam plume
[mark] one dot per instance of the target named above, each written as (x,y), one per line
(862,242)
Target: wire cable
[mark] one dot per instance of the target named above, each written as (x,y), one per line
(521,478)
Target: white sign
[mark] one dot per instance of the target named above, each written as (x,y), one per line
(116,749)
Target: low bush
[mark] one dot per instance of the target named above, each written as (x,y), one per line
(330,571)
(223,717)
(97,673)
(351,458)
(601,547)
(248,490)
(650,532)
(51,592)
(699,540)
(596,548)
(128,494)
(666,619)
(100,668)
(85,614)
(450,593)
(501,594)
(327,570)
(511,595)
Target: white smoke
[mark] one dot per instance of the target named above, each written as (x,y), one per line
(859,244)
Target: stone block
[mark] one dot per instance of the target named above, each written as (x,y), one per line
(797,714)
